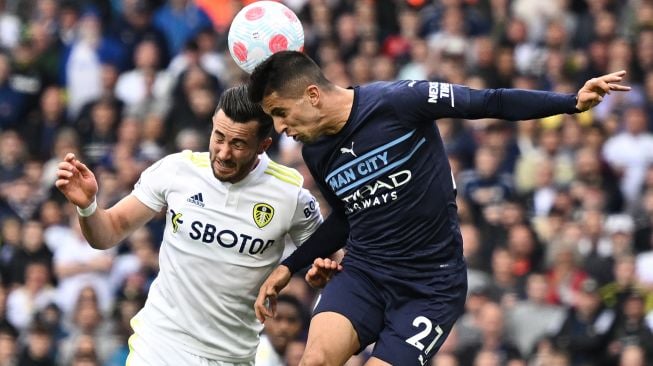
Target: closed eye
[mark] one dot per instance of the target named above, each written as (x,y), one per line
(278,112)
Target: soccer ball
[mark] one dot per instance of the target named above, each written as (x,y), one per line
(261,29)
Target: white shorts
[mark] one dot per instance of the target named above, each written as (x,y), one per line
(144,353)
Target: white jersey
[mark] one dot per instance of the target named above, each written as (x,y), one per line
(221,241)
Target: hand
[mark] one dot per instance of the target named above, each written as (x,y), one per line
(594,89)
(321,272)
(76,181)
(269,291)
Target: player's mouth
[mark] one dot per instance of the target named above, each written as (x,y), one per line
(224,166)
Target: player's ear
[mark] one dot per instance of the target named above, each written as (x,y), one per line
(264,145)
(313,94)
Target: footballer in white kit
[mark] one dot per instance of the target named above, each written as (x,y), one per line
(229,212)
(220,242)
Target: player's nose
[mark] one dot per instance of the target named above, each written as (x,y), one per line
(224,153)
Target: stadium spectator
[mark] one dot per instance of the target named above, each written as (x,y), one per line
(584,333)
(524,44)
(9,346)
(283,329)
(33,296)
(531,319)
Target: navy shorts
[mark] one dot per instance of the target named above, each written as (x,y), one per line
(408,320)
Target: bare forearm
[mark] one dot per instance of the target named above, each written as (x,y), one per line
(99,230)
(102,230)
(106,228)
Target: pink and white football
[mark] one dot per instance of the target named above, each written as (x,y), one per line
(261,29)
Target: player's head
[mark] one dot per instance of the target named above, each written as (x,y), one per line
(289,86)
(241,131)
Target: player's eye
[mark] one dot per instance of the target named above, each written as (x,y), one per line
(279,113)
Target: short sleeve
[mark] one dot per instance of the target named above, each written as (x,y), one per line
(307,217)
(151,188)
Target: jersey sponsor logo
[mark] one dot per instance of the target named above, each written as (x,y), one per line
(365,167)
(262,214)
(376,193)
(176,220)
(310,208)
(372,165)
(346,150)
(438,91)
(196,199)
(208,233)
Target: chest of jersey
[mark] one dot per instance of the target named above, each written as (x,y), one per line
(372,165)
(210,218)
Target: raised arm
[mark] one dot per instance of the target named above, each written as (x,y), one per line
(518,104)
(424,101)
(102,228)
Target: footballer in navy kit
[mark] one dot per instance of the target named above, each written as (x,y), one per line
(379,160)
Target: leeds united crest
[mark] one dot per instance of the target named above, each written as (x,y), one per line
(262,214)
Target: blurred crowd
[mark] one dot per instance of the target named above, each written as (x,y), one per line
(556,214)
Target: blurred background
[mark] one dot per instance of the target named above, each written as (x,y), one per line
(556,214)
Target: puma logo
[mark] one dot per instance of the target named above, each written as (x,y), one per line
(345,150)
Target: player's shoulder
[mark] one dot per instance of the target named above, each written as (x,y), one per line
(283,175)
(388,91)
(184,162)
(389,86)
(190,158)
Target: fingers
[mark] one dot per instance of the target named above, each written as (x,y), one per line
(318,262)
(312,272)
(606,83)
(325,264)
(615,77)
(64,174)
(83,169)
(617,87)
(70,162)
(69,157)
(61,183)
(66,171)
(65,165)
(265,305)
(265,297)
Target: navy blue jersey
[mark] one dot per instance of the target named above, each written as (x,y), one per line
(388,173)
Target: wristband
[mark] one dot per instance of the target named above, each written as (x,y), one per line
(88,211)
